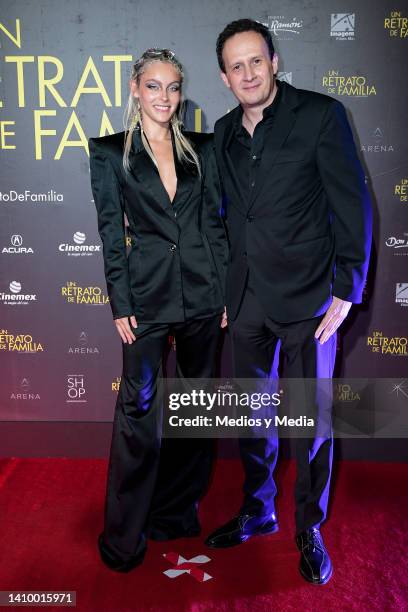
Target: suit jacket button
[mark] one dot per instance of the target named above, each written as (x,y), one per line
(172,247)
(250,218)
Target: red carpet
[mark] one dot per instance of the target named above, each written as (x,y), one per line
(51,514)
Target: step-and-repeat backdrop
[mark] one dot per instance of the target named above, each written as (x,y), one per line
(64,70)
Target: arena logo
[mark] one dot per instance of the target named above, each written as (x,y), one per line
(345,393)
(388,345)
(401,190)
(353,86)
(286,77)
(83,349)
(76,391)
(401,294)
(16,241)
(400,245)
(74,294)
(79,248)
(283,28)
(19,343)
(50,197)
(342,26)
(377,145)
(116,384)
(15,297)
(396,24)
(25,394)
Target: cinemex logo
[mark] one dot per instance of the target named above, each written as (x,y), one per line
(401,294)
(283,28)
(17,248)
(15,297)
(399,245)
(83,349)
(342,26)
(79,248)
(50,197)
(377,144)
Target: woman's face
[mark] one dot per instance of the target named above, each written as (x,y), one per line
(159,92)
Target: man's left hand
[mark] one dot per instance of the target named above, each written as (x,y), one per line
(334,317)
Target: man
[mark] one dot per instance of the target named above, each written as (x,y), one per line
(299,221)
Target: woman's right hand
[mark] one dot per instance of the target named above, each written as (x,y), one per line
(124,329)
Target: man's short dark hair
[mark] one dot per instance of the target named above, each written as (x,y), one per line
(238,26)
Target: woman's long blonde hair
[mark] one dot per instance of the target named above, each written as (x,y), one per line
(133,120)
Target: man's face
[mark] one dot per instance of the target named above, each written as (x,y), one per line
(249,70)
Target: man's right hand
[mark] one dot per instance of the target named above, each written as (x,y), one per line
(124,329)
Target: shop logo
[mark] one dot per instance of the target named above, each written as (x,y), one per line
(342,26)
(401,294)
(76,391)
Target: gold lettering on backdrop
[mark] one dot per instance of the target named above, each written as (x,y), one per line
(106,126)
(82,142)
(15,39)
(20,60)
(117,59)
(48,83)
(4,132)
(100,87)
(39,131)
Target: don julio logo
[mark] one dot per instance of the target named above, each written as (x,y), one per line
(19,343)
(396,24)
(16,248)
(386,345)
(401,294)
(79,248)
(399,245)
(353,86)
(15,297)
(342,26)
(74,294)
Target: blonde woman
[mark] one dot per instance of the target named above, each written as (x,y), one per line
(172,282)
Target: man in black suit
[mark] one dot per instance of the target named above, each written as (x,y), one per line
(298,216)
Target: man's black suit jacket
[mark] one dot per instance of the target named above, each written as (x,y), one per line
(176,266)
(305,234)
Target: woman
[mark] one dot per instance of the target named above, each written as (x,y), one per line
(172,282)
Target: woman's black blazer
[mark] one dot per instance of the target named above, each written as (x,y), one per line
(176,266)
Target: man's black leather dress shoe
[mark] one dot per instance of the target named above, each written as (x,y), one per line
(315,565)
(240,529)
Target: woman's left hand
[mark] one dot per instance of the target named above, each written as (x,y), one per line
(224,319)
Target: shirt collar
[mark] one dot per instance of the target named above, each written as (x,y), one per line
(268,111)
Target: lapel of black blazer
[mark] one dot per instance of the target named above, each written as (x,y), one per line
(277,134)
(144,170)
